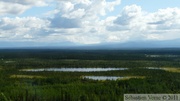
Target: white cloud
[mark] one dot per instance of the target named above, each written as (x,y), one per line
(75,14)
(131,15)
(20,28)
(27,2)
(65,6)
(12,8)
(90,6)
(81,11)
(26,22)
(142,25)
(166,19)
(79,21)
(19,6)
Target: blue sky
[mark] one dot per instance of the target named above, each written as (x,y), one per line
(152,5)
(83,22)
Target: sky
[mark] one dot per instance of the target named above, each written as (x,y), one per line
(26,23)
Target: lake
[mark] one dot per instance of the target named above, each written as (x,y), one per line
(74,69)
(112,77)
(103,77)
(153,68)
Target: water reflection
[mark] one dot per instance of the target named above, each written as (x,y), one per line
(74,69)
(154,68)
(112,77)
(103,77)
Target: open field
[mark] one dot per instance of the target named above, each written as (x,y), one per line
(71,75)
(25,76)
(176,70)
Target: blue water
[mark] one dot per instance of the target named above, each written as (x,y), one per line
(103,77)
(75,69)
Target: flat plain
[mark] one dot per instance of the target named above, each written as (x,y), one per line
(88,75)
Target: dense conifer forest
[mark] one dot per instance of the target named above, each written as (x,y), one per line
(150,71)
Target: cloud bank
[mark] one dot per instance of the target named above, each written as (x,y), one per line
(86,22)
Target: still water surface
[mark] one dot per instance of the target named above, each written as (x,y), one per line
(74,69)
(103,77)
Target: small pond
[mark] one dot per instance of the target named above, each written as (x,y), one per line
(154,68)
(74,69)
(104,77)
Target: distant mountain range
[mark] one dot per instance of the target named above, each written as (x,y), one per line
(69,45)
(135,45)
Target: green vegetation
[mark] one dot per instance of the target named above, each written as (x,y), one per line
(17,85)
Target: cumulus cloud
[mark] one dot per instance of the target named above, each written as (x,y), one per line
(26,22)
(65,7)
(80,21)
(166,19)
(147,26)
(12,8)
(72,20)
(129,14)
(72,14)
(27,2)
(164,24)
(19,28)
(129,19)
(19,6)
